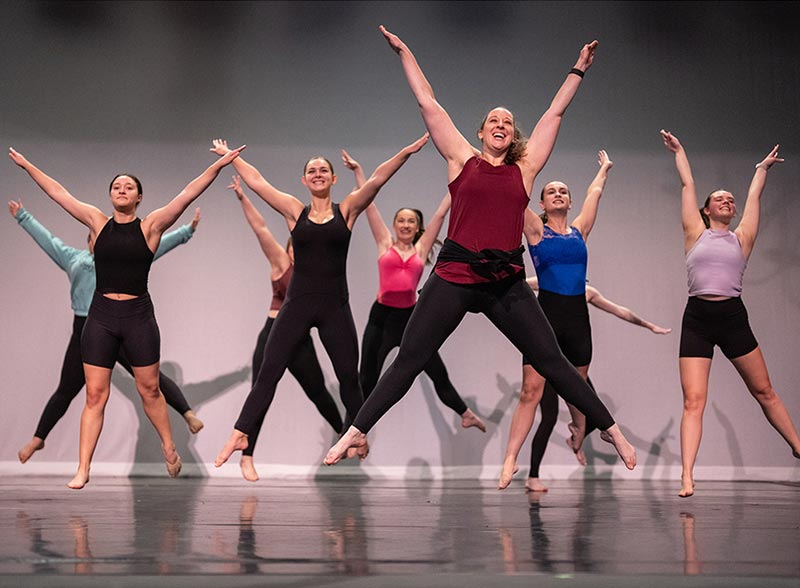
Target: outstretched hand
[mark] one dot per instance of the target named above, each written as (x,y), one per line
(348,161)
(670,141)
(230,155)
(236,186)
(220,146)
(393,40)
(14,207)
(17,157)
(586,57)
(419,143)
(603,160)
(772,157)
(195,220)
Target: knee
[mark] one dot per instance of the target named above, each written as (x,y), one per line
(531,393)
(148,390)
(693,404)
(96,397)
(765,394)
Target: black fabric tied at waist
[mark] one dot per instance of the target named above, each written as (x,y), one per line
(492,264)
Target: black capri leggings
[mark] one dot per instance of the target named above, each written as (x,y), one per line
(304,366)
(73,379)
(569,317)
(331,314)
(511,306)
(384,332)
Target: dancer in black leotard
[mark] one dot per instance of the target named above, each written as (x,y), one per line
(121,316)
(303,365)
(480,267)
(401,261)
(79,267)
(317,295)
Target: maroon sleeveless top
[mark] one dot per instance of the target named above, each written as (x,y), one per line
(279,288)
(487,212)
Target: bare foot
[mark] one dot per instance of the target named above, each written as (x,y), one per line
(509,469)
(577,435)
(352,438)
(236,442)
(625,450)
(687,488)
(195,424)
(470,419)
(30,448)
(361,452)
(79,481)
(579,454)
(248,468)
(173,460)
(535,485)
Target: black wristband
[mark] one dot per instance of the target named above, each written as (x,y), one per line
(577,72)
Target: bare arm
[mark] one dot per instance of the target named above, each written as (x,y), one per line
(89,215)
(693,225)
(158,221)
(285,204)
(276,255)
(585,220)
(380,232)
(595,298)
(747,231)
(543,138)
(358,200)
(533,228)
(426,242)
(450,143)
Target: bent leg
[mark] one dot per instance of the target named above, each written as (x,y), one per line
(753,370)
(98,388)
(155,407)
(521,422)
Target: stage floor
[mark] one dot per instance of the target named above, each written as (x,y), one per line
(355,532)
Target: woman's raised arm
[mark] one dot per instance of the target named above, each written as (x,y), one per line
(426,242)
(693,225)
(585,220)
(276,255)
(358,200)
(89,215)
(747,231)
(380,232)
(450,143)
(543,138)
(285,204)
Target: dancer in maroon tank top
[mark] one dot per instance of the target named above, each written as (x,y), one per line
(480,267)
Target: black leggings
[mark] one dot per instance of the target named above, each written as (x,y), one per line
(73,379)
(330,313)
(304,366)
(511,306)
(549,407)
(384,332)
(569,317)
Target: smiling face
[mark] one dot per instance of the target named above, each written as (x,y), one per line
(318,175)
(125,192)
(406,225)
(555,198)
(720,206)
(497,130)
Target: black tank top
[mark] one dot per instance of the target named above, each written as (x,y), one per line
(320,255)
(122,258)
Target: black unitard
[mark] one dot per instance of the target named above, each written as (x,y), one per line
(317,297)
(304,366)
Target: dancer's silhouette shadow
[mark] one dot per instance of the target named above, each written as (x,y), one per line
(148,445)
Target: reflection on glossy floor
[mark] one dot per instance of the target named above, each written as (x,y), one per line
(365,533)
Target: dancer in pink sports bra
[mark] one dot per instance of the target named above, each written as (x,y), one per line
(401,261)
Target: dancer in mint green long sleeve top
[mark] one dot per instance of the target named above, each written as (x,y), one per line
(78,264)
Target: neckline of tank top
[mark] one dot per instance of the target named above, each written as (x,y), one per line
(400,255)
(326,221)
(569,232)
(111,218)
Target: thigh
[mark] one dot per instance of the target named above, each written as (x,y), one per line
(141,341)
(694,373)
(753,370)
(100,343)
(337,332)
